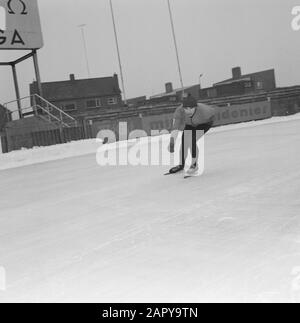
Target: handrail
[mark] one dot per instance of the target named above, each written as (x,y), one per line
(55,107)
(274,93)
(21,99)
(64,119)
(23,109)
(51,115)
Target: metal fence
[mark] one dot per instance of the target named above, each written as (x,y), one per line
(44,138)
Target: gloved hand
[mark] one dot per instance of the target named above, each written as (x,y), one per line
(172,146)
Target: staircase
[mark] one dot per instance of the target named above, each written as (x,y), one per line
(36,106)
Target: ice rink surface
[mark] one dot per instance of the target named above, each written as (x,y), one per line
(73,231)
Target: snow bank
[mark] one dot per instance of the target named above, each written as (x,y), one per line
(84,147)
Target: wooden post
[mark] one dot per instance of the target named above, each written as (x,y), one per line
(13,66)
(37,73)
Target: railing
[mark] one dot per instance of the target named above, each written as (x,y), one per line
(35,105)
(13,107)
(265,95)
(49,117)
(54,112)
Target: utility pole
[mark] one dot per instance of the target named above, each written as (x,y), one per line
(118,50)
(85,49)
(176,47)
(200,77)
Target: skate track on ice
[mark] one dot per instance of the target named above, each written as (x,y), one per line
(72,231)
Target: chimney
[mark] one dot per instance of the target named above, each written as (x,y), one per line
(169,87)
(116,83)
(236,73)
(72,77)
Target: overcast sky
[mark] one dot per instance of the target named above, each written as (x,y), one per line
(213,36)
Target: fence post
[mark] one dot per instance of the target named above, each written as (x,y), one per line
(62,135)
(85,130)
(34,105)
(4,144)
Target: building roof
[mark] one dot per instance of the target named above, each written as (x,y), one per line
(243,77)
(137,99)
(174,92)
(82,88)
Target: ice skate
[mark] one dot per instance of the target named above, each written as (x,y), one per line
(193,170)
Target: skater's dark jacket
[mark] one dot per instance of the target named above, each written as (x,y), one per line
(203,114)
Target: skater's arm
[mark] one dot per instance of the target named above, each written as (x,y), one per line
(173,139)
(179,119)
(174,135)
(178,126)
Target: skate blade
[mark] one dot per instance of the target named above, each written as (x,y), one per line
(191,175)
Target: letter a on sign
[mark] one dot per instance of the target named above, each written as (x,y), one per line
(20,25)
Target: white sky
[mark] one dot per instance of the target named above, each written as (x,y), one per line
(213,36)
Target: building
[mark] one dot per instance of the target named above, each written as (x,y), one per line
(175,95)
(240,84)
(83,97)
(136,102)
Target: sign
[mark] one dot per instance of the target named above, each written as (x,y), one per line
(20,26)
(243,113)
(158,122)
(223,116)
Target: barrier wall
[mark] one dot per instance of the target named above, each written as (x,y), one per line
(286,106)
(224,115)
(27,133)
(133,123)
(157,122)
(243,113)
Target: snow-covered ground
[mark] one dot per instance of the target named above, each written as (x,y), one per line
(73,231)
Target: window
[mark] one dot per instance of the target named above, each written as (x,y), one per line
(248,85)
(211,93)
(259,85)
(93,103)
(70,106)
(98,103)
(112,101)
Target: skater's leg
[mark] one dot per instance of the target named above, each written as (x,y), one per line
(199,132)
(182,155)
(188,141)
(195,149)
(182,151)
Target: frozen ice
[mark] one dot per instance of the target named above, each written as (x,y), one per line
(73,231)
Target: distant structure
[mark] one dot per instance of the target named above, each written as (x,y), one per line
(136,102)
(240,84)
(175,95)
(83,97)
(170,97)
(237,85)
